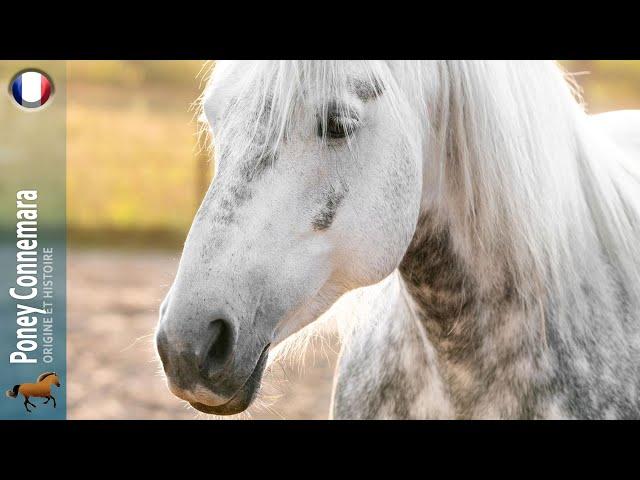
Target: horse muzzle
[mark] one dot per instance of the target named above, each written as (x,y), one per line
(241,400)
(208,369)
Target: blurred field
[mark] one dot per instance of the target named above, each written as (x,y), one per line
(607,84)
(132,151)
(134,181)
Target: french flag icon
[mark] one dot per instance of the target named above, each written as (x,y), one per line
(31,89)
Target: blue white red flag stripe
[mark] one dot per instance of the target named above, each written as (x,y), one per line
(31,89)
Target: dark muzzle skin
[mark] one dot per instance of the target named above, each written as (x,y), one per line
(243,398)
(205,356)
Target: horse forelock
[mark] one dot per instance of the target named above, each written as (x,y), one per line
(270,94)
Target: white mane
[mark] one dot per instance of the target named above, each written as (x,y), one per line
(511,161)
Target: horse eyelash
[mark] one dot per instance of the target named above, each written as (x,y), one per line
(349,125)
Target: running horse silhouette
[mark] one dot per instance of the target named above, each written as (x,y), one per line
(487,228)
(42,388)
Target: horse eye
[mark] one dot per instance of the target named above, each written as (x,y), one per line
(337,127)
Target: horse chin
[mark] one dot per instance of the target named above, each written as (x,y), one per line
(230,408)
(243,398)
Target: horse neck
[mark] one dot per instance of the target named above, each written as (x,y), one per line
(501,192)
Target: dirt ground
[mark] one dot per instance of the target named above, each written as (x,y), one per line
(113,371)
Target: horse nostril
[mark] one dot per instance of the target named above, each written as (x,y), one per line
(218,343)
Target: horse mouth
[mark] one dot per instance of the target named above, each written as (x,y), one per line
(241,400)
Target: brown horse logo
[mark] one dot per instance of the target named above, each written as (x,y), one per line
(42,388)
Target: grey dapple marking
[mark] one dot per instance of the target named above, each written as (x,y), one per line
(325,217)
(484,230)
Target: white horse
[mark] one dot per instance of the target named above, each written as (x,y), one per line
(497,222)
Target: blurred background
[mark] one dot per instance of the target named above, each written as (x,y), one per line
(136,174)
